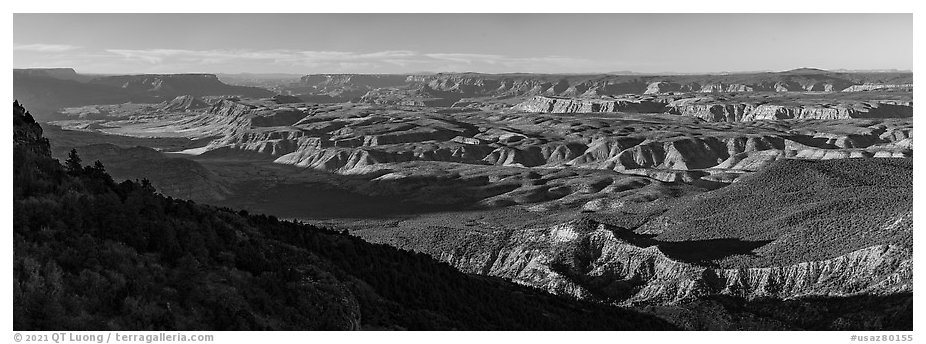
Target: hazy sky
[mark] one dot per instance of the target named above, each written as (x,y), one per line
(491,43)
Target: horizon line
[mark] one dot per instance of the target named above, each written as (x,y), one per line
(628,73)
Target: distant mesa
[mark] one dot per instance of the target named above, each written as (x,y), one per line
(54,73)
(456,86)
(48,90)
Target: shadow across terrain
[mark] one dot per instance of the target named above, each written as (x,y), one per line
(700,252)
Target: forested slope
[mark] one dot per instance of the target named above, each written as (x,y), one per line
(91,253)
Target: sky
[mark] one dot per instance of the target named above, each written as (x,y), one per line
(488,43)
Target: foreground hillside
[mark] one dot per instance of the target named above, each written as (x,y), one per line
(93,254)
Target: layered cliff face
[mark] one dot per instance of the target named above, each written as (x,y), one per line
(593,263)
(607,263)
(732,112)
(569,105)
(719,110)
(878,87)
(658,87)
(475,85)
(839,228)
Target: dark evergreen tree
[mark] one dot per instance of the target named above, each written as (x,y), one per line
(73,162)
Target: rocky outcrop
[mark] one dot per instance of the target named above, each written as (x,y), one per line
(658,87)
(734,112)
(679,154)
(401,97)
(878,87)
(648,265)
(347,161)
(712,112)
(270,142)
(478,85)
(873,110)
(595,262)
(223,118)
(543,104)
(721,87)
(183,103)
(27,134)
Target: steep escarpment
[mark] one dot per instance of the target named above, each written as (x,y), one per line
(172,85)
(608,263)
(569,105)
(603,263)
(878,87)
(46,95)
(55,73)
(483,85)
(720,110)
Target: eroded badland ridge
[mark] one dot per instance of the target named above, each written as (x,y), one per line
(766,200)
